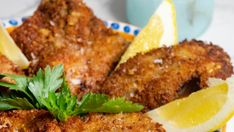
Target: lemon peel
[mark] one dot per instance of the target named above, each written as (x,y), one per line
(206,110)
(10,49)
(160,30)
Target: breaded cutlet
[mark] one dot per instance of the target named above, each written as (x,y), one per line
(40,120)
(67,32)
(161,75)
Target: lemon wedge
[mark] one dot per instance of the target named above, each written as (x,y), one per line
(10,49)
(202,111)
(160,30)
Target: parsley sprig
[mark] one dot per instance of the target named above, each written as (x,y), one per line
(48,90)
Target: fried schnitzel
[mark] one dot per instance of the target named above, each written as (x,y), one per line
(67,32)
(160,76)
(40,120)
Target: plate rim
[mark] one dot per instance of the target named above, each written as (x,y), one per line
(115,25)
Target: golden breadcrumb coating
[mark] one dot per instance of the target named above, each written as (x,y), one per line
(6,66)
(67,32)
(40,120)
(159,76)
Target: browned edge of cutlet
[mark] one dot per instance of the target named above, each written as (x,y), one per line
(67,32)
(159,76)
(40,120)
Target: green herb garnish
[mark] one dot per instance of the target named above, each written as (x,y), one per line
(48,90)
(101,103)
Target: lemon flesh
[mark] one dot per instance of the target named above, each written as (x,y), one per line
(205,110)
(160,30)
(10,49)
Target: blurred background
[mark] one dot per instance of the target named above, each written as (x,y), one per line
(220,30)
(209,20)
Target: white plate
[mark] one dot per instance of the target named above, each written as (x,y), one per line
(122,27)
(119,26)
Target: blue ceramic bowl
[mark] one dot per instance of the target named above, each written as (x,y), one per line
(193,16)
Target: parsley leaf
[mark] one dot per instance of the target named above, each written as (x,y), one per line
(91,101)
(45,82)
(62,105)
(101,103)
(53,78)
(21,84)
(8,102)
(15,103)
(49,90)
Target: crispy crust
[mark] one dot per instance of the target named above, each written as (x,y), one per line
(39,120)
(6,66)
(157,77)
(67,32)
